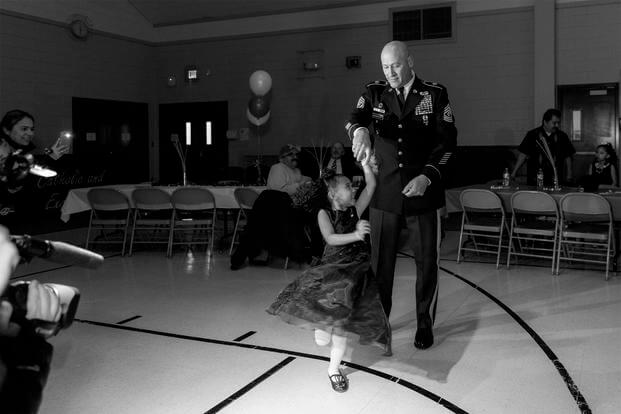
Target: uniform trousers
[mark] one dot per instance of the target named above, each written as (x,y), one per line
(424,241)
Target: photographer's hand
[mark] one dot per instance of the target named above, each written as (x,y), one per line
(9,258)
(43,303)
(58,149)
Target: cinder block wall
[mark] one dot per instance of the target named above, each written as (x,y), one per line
(487,69)
(588,42)
(42,67)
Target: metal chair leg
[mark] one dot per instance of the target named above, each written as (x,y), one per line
(131,241)
(88,233)
(235,232)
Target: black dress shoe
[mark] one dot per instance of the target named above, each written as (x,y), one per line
(388,346)
(387,350)
(423,338)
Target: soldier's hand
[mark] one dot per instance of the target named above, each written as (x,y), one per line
(361,145)
(416,187)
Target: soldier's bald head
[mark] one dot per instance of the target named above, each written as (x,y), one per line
(396,48)
(397,63)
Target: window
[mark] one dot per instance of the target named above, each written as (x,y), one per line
(425,23)
(188,133)
(208,132)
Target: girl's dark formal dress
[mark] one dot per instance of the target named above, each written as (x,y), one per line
(601,172)
(340,293)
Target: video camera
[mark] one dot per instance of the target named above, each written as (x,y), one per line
(17,293)
(18,165)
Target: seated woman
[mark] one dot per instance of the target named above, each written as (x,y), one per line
(285,175)
(18,129)
(276,224)
(17,132)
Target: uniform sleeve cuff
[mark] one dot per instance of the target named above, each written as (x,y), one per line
(431,173)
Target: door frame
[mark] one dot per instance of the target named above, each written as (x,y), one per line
(607,85)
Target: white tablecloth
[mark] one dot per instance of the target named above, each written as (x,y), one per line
(77,202)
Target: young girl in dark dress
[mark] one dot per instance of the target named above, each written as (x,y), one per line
(339,296)
(603,169)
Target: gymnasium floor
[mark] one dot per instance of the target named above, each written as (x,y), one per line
(188,335)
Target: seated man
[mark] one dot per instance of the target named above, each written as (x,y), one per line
(285,175)
(342,161)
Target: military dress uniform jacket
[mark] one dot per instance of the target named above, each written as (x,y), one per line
(417,140)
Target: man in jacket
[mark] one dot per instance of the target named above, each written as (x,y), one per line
(414,136)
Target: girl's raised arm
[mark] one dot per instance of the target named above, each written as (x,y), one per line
(365,197)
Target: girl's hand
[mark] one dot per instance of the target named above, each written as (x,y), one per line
(362,228)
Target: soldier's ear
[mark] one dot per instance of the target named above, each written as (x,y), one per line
(410,61)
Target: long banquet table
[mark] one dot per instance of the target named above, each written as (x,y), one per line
(453,204)
(77,201)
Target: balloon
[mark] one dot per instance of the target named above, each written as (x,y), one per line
(258,106)
(260,82)
(257,121)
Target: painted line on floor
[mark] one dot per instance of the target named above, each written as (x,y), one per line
(435,398)
(129,319)
(583,406)
(250,386)
(55,268)
(244,336)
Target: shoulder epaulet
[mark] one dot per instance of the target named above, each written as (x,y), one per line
(433,84)
(381,83)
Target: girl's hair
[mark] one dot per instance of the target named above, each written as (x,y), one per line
(612,154)
(13,117)
(330,178)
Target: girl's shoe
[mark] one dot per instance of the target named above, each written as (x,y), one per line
(339,382)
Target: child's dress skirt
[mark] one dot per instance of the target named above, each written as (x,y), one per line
(340,294)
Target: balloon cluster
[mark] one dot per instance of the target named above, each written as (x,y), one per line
(258,111)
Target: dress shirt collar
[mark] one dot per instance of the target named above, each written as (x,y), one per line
(408,86)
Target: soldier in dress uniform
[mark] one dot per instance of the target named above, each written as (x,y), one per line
(414,136)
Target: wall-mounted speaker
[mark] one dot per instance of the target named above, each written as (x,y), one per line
(353,62)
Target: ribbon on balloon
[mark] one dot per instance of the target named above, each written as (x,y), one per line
(258,110)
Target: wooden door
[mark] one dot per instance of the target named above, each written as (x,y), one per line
(112,136)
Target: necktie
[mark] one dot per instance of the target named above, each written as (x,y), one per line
(401,96)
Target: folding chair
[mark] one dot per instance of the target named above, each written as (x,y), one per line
(586,230)
(194,217)
(534,226)
(483,218)
(245,198)
(110,210)
(153,214)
